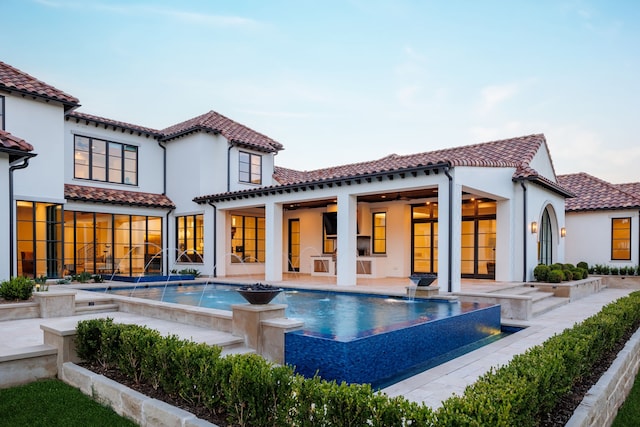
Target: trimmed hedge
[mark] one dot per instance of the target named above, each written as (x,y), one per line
(250,391)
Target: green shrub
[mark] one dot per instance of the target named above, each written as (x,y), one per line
(541,272)
(555,276)
(614,271)
(577,273)
(83,277)
(557,266)
(583,264)
(568,275)
(568,267)
(16,288)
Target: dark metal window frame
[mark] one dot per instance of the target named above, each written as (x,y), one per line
(193,256)
(123,150)
(628,239)
(250,179)
(260,254)
(2,112)
(432,221)
(374,235)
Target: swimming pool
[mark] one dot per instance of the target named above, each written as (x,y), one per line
(358,314)
(353,337)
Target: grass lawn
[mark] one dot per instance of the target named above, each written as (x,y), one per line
(629,413)
(54,403)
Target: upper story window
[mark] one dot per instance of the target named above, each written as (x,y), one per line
(621,239)
(100,160)
(1,112)
(250,168)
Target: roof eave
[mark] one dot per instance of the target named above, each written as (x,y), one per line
(549,186)
(68,105)
(321,183)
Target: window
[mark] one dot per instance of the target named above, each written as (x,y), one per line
(190,238)
(100,160)
(379,232)
(621,238)
(250,168)
(247,238)
(329,232)
(1,112)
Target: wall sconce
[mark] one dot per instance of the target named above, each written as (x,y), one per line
(534,227)
(563,232)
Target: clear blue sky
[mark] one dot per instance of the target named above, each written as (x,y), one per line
(346,81)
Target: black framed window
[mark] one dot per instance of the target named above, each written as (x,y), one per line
(621,239)
(190,238)
(379,222)
(248,238)
(100,160)
(1,112)
(250,168)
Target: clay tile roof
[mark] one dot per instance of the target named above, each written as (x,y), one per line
(630,187)
(513,152)
(10,142)
(116,197)
(15,80)
(595,194)
(233,131)
(89,118)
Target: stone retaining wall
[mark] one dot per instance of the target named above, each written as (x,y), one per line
(128,403)
(601,403)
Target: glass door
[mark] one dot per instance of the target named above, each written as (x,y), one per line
(424,239)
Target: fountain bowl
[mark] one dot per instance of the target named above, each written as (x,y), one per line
(259,293)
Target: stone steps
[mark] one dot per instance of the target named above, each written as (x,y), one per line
(547,304)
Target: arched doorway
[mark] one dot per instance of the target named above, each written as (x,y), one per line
(545,239)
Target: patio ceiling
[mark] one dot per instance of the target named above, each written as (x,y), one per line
(423,193)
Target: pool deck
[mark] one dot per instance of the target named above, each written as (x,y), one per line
(431,387)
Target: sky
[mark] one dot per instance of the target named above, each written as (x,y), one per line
(340,82)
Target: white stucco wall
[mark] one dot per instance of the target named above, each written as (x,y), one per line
(589,237)
(40,124)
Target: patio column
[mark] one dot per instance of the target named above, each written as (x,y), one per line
(273,242)
(449,234)
(347,231)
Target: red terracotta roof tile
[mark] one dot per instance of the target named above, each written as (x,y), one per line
(11,142)
(514,152)
(595,194)
(231,130)
(631,187)
(90,118)
(15,80)
(117,197)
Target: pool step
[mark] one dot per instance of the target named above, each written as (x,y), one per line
(547,304)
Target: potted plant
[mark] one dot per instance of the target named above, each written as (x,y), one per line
(259,293)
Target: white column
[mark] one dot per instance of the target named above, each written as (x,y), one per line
(273,244)
(506,256)
(5,256)
(347,231)
(449,269)
(223,242)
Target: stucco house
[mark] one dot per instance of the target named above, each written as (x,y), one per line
(602,221)
(88,193)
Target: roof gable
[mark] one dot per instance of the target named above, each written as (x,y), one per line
(514,152)
(234,132)
(596,194)
(13,79)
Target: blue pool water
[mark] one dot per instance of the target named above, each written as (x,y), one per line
(357,338)
(335,315)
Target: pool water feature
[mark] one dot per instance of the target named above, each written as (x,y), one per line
(358,338)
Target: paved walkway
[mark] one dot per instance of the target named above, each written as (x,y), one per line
(431,387)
